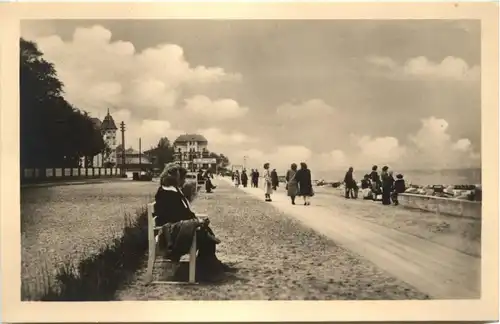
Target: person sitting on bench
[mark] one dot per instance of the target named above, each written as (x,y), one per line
(173,213)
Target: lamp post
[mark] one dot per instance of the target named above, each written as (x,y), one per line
(245,162)
(140,155)
(122,129)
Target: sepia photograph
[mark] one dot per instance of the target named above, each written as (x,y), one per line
(255,159)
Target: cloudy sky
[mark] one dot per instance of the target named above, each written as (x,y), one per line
(332,93)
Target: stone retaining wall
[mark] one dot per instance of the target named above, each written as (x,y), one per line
(454,207)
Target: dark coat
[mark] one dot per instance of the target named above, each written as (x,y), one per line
(399,186)
(244,178)
(274,178)
(304,182)
(178,223)
(171,206)
(387,181)
(374,177)
(349,180)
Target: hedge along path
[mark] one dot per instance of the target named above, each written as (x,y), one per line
(70,223)
(278,258)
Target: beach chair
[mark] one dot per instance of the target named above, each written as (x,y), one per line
(152,242)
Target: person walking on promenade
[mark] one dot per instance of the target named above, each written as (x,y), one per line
(256,179)
(375,179)
(291,182)
(274,179)
(304,182)
(237,179)
(350,184)
(268,190)
(244,178)
(252,177)
(387,184)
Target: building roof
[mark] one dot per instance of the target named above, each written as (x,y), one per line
(190,138)
(108,123)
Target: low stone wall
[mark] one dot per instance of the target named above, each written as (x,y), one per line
(55,174)
(454,207)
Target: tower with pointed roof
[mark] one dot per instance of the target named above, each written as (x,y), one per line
(108,130)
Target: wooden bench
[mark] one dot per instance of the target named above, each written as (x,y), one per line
(152,242)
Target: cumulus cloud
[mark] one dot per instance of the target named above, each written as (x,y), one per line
(384,150)
(148,130)
(430,147)
(218,137)
(307,110)
(451,68)
(333,160)
(433,146)
(99,73)
(207,109)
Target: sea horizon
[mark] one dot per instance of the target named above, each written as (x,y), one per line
(455,176)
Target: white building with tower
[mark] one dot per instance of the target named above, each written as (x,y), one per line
(191,151)
(108,130)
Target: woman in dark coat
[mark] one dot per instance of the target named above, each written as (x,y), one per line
(173,210)
(387,184)
(255,178)
(304,183)
(244,178)
(375,181)
(350,184)
(274,179)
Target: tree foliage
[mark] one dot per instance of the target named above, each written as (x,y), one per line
(53,133)
(163,153)
(222,160)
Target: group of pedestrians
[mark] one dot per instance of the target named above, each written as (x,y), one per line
(298,182)
(242,179)
(374,185)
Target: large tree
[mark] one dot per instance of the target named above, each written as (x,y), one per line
(53,132)
(161,154)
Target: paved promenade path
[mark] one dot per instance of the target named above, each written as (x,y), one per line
(439,271)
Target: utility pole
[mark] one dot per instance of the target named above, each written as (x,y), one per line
(122,129)
(245,162)
(140,162)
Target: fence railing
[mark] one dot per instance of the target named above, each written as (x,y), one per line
(46,174)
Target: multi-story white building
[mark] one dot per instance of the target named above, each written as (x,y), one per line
(192,153)
(108,130)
